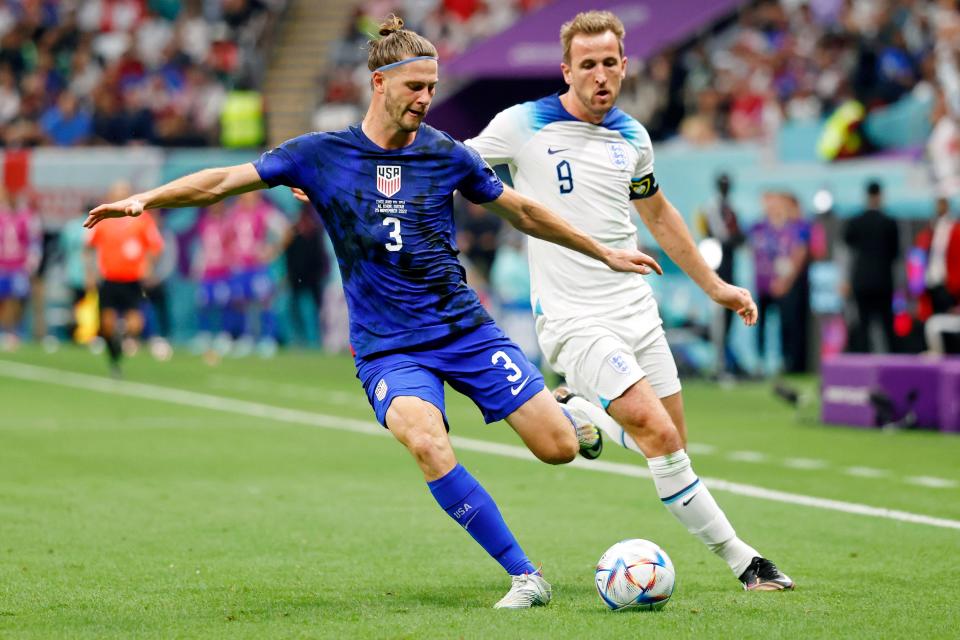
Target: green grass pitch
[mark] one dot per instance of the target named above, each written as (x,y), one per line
(123,516)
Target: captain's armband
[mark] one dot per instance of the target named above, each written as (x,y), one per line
(644,187)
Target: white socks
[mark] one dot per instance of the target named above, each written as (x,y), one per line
(681,492)
(690,502)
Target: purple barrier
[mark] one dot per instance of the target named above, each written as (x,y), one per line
(950,396)
(845,386)
(929,387)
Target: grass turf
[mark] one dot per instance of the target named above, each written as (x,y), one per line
(124,517)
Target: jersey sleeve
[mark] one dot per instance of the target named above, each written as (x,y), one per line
(643,183)
(480,183)
(500,140)
(279,166)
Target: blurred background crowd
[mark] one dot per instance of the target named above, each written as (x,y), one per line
(818,140)
(118,72)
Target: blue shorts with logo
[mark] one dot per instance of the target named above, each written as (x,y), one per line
(14,284)
(481,363)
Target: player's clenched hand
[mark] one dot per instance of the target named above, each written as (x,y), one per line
(632,260)
(299,194)
(737,299)
(129,207)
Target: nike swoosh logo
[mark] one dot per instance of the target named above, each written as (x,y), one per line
(690,499)
(516,390)
(554,151)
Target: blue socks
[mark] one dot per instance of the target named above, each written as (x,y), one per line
(469,504)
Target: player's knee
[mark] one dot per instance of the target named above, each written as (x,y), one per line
(423,446)
(560,450)
(653,426)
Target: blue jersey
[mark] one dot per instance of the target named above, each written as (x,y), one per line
(389,214)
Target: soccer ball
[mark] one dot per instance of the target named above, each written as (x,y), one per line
(635,574)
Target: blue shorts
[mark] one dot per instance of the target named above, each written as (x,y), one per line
(14,284)
(251,285)
(481,363)
(214,292)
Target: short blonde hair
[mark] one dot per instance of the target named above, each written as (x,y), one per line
(590,23)
(396,43)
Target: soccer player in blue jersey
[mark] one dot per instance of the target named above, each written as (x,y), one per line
(385,192)
(590,161)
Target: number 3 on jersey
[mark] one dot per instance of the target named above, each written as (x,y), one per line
(565,176)
(396,241)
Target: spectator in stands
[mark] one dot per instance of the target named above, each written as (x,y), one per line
(68,123)
(144,53)
(9,96)
(943,147)
(874,242)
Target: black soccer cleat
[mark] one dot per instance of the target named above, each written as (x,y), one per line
(588,435)
(763,575)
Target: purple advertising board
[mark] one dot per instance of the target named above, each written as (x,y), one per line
(531,47)
(928,387)
(950,396)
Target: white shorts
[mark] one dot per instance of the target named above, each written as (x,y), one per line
(603,357)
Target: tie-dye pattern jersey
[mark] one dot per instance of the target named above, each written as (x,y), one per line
(389,214)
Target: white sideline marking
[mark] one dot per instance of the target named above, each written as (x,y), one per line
(807,464)
(700,449)
(243,407)
(930,481)
(866,472)
(746,456)
(280,389)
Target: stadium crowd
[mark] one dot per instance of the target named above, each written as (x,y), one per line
(118,72)
(791,60)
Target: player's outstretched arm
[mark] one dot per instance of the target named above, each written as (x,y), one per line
(536,220)
(671,233)
(195,190)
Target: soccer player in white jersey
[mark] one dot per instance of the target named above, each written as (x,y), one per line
(589,161)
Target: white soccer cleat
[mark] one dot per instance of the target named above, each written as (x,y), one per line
(527,590)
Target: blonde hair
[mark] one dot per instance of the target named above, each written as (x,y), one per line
(590,23)
(396,43)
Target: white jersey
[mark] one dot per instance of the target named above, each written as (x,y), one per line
(587,174)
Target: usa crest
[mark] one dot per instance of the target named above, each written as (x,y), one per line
(388,179)
(618,154)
